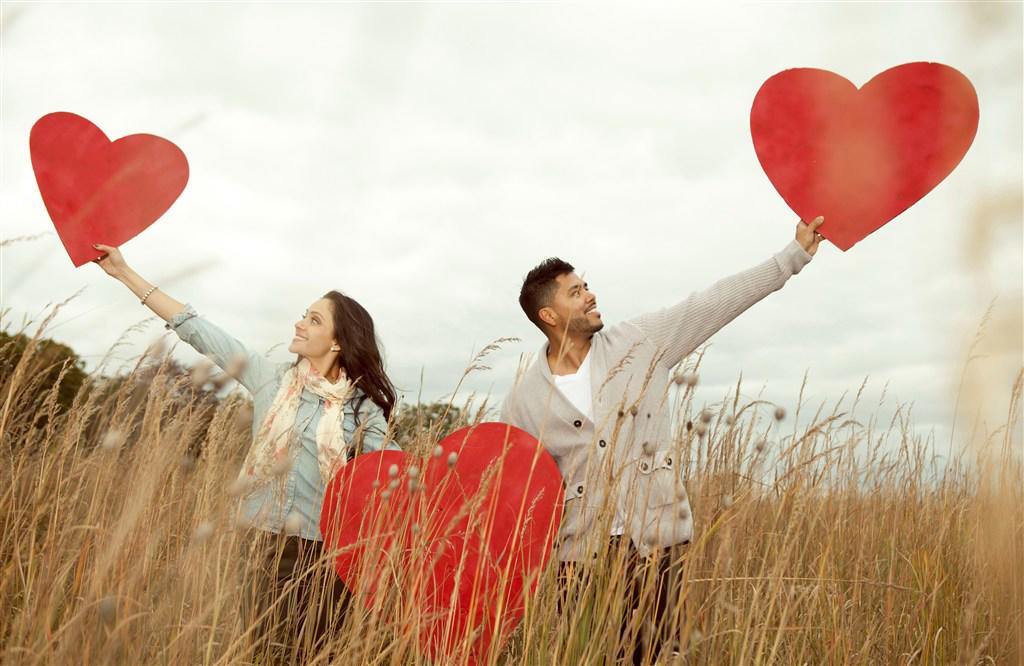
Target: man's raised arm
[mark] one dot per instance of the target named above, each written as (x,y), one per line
(679,329)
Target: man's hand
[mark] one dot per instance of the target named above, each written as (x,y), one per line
(807,235)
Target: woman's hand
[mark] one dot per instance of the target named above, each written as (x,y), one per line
(112,263)
(807,235)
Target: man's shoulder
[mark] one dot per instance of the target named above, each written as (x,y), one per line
(527,380)
(622,334)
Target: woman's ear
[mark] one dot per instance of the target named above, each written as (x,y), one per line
(335,347)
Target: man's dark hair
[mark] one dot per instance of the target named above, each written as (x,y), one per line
(539,286)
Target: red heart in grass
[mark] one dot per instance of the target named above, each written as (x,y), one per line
(467,547)
(98,191)
(861,157)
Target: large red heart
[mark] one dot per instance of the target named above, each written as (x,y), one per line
(463,534)
(98,191)
(861,157)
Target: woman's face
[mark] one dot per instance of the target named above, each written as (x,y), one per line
(314,332)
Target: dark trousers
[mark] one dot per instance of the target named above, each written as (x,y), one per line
(296,600)
(652,589)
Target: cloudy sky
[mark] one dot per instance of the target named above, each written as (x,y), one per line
(423,156)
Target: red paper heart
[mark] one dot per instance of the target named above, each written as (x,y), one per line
(861,157)
(101,192)
(468,546)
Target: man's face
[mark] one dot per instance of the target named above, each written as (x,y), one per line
(574,307)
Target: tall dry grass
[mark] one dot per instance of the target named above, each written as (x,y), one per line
(839,543)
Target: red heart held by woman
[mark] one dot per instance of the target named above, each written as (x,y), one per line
(98,191)
(460,538)
(861,157)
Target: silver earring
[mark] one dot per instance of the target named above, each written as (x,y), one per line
(335,348)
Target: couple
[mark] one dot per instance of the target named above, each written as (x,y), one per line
(596,400)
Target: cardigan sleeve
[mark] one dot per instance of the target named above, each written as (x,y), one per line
(253,371)
(678,330)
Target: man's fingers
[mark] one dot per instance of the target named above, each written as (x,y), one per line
(817,222)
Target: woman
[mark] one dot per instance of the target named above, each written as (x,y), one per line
(309,418)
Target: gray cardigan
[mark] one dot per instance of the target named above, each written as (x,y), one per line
(627,459)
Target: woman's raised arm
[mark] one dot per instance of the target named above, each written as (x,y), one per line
(253,371)
(116,267)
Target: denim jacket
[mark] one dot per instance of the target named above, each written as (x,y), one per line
(301,490)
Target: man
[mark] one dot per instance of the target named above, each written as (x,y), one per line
(597,399)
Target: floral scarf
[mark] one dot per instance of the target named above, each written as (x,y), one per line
(270,454)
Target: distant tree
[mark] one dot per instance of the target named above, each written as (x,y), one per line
(421,424)
(42,364)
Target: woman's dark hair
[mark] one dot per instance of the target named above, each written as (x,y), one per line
(360,355)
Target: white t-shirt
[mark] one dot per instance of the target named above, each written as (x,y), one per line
(576,388)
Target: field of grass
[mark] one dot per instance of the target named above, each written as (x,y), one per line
(835,544)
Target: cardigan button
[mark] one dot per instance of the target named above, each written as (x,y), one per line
(578,423)
(579,489)
(602,443)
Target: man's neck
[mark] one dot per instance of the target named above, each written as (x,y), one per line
(566,354)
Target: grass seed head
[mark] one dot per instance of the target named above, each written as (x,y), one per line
(780,413)
(107,608)
(239,486)
(203,532)
(201,374)
(293,523)
(113,440)
(281,466)
(187,463)
(243,417)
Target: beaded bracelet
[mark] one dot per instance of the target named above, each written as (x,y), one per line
(143,301)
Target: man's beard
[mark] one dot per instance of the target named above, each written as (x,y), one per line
(584,327)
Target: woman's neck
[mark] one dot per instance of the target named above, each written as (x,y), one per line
(327,368)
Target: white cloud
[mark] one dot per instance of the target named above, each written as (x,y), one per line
(423,157)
